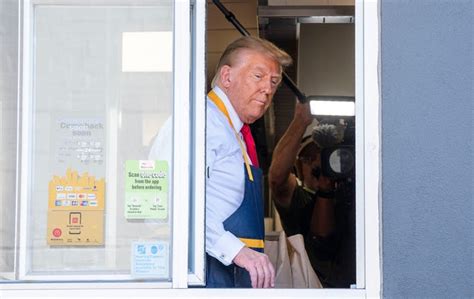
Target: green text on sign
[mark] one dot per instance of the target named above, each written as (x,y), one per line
(146,189)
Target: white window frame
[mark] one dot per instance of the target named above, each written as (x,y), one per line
(368,192)
(182,125)
(198,79)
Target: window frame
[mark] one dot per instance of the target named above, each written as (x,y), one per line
(181,192)
(198,91)
(368,146)
(368,190)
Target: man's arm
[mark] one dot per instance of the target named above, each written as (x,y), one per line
(282,182)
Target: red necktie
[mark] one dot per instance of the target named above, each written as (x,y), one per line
(250,143)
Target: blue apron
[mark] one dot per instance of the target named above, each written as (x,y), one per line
(246,223)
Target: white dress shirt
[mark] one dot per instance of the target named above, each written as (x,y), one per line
(162,143)
(225,179)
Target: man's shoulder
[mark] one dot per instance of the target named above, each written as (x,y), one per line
(300,199)
(219,133)
(302,196)
(214,116)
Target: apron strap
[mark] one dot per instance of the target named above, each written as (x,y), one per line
(253,243)
(216,100)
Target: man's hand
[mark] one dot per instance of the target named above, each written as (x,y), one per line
(303,114)
(262,274)
(325,183)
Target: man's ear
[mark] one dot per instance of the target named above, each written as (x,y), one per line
(224,75)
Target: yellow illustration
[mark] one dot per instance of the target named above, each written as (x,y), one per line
(76,209)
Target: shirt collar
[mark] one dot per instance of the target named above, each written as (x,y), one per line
(234,117)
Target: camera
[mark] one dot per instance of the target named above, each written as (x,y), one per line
(338,162)
(336,139)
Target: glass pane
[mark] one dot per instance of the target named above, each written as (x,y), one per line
(103,84)
(8,132)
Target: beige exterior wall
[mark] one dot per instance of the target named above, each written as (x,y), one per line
(221,32)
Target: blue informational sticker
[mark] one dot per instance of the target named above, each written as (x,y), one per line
(150,259)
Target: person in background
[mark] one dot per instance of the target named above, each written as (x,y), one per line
(248,74)
(307,203)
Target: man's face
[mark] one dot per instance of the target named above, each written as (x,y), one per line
(251,83)
(311,173)
(307,170)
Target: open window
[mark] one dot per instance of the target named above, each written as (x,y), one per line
(335,47)
(321,40)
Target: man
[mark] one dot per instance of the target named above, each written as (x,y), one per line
(248,74)
(308,204)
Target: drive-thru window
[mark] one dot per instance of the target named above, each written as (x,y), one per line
(86,201)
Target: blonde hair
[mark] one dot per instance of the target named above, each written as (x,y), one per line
(252,43)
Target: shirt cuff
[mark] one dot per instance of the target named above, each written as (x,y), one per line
(226,248)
